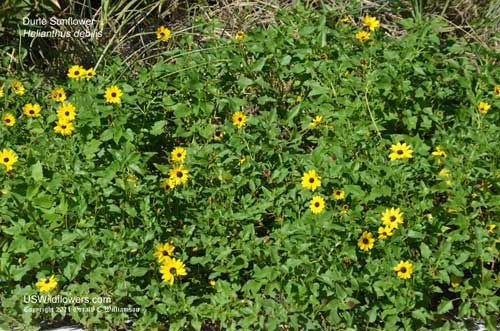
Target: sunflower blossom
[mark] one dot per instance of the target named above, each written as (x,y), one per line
(400,152)
(371,22)
(363,36)
(17,87)
(179,174)
(317,204)
(58,94)
(76,72)
(8,158)
(311,180)
(32,110)
(366,241)
(404,269)
(163,33)
(483,107)
(113,94)
(163,251)
(338,194)
(178,154)
(392,217)
(47,284)
(8,119)
(239,119)
(171,268)
(240,35)
(66,112)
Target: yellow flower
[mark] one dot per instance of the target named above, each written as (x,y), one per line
(163,251)
(172,267)
(219,135)
(212,282)
(384,232)
(239,119)
(345,19)
(490,227)
(483,107)
(8,119)
(1,90)
(298,99)
(163,33)
(178,154)
(363,36)
(404,269)
(242,160)
(371,22)
(168,184)
(444,173)
(240,35)
(317,204)
(113,94)
(366,241)
(89,73)
(338,194)
(17,87)
(58,94)
(76,72)
(179,174)
(64,127)
(497,90)
(31,110)
(345,210)
(439,152)
(66,112)
(8,158)
(391,218)
(311,180)
(316,121)
(47,284)
(400,152)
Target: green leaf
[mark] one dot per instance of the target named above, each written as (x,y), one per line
(444,306)
(158,127)
(37,171)
(425,251)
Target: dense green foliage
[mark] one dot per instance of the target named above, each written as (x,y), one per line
(90,209)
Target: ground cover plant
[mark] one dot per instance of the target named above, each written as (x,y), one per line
(316,173)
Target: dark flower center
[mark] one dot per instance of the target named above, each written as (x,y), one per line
(77,72)
(7,120)
(6,160)
(316,204)
(47,281)
(239,119)
(393,218)
(66,113)
(59,95)
(165,253)
(488,228)
(311,180)
(218,133)
(337,193)
(365,241)
(113,95)
(179,154)
(399,152)
(179,174)
(63,127)
(346,207)
(403,269)
(32,112)
(172,271)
